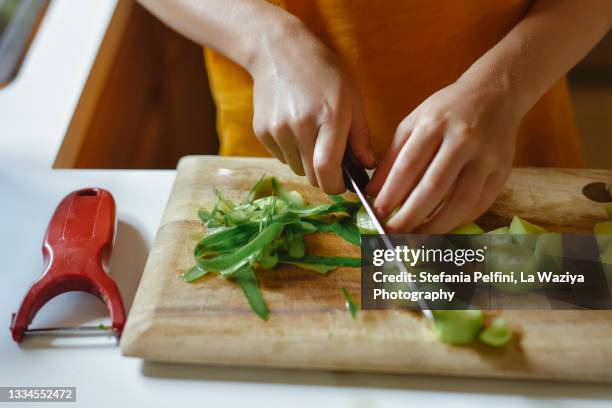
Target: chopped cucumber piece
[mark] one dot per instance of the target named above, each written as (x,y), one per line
(457,326)
(549,252)
(500,231)
(467,236)
(364,222)
(525,232)
(520,226)
(468,229)
(499,236)
(508,258)
(606,260)
(608,208)
(603,232)
(497,334)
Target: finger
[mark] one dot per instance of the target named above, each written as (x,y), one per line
(431,189)
(402,134)
(359,135)
(287,143)
(409,166)
(271,146)
(328,153)
(307,163)
(461,202)
(492,187)
(306,136)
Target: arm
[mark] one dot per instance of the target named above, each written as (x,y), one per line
(452,155)
(305,105)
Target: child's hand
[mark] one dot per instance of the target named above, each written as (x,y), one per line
(454,151)
(305,108)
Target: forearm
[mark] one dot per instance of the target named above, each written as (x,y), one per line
(236,28)
(548,42)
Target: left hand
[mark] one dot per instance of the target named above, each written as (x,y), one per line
(448,161)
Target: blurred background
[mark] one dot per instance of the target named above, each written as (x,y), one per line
(147,101)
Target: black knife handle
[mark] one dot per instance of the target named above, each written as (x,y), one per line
(351,166)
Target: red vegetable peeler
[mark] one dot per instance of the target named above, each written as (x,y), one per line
(76,252)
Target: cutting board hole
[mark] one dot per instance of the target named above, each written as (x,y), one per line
(599,192)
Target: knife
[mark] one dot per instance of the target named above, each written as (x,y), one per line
(356,179)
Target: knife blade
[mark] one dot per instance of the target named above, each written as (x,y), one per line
(356,179)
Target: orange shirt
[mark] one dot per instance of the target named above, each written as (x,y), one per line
(400,52)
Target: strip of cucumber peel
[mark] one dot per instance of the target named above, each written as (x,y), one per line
(350,303)
(266,229)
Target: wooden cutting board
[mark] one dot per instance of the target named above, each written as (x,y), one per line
(209,322)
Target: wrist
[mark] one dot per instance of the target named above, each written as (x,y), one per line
(496,92)
(277,36)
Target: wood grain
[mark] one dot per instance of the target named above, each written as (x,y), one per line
(209,322)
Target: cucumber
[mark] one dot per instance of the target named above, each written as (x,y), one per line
(608,208)
(467,236)
(364,222)
(468,229)
(457,326)
(606,261)
(525,233)
(510,257)
(603,232)
(497,334)
(500,230)
(549,252)
(499,236)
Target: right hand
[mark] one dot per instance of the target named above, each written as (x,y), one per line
(306,108)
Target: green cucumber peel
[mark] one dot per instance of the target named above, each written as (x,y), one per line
(344,228)
(266,229)
(248,282)
(318,268)
(350,303)
(324,260)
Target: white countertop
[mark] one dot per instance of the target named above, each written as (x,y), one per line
(34,114)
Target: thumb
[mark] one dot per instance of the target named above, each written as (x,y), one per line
(359,136)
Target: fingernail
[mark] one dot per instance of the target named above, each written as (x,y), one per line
(380,213)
